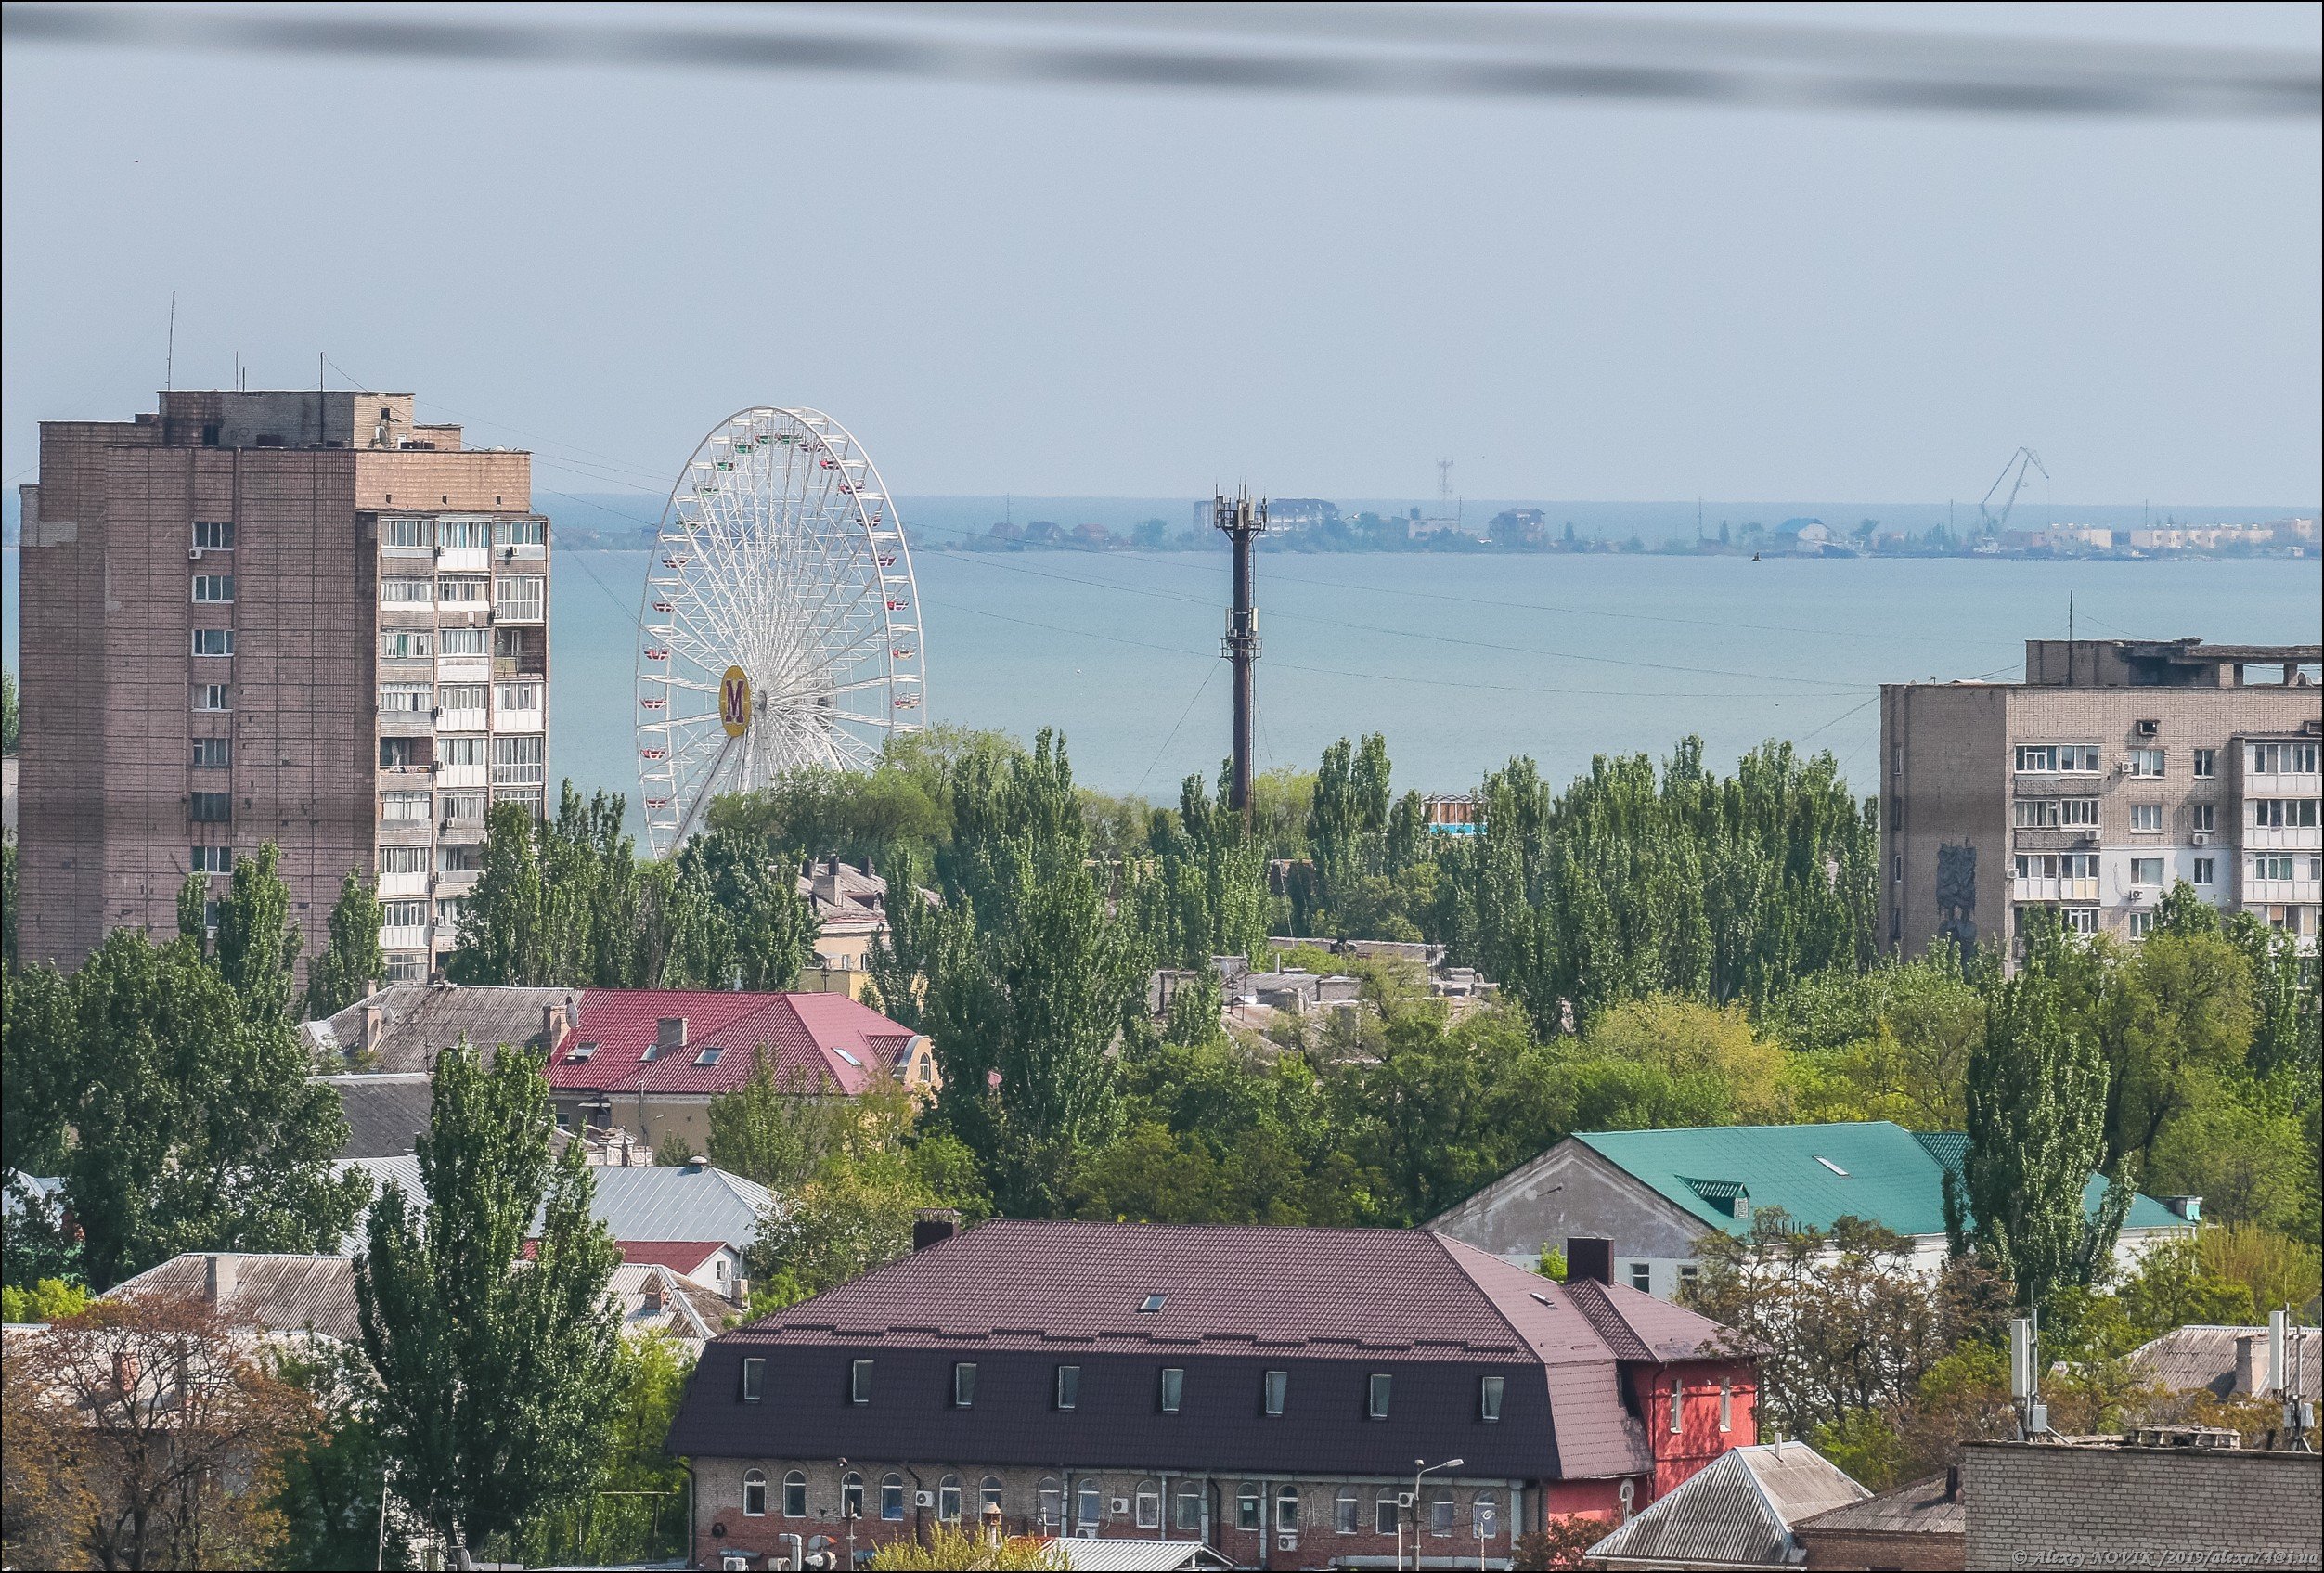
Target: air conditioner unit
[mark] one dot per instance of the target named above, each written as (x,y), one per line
(2140,896)
(193,554)
(924,1498)
(1087,1532)
(2202,838)
(1289,1543)
(1122,1505)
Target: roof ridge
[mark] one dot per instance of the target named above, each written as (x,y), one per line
(1444,1244)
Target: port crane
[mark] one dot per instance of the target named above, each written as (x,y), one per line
(2014,474)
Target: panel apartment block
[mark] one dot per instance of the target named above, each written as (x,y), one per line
(2115,770)
(291,617)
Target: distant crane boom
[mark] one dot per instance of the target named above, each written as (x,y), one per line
(2014,474)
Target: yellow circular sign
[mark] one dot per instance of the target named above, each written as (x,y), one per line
(734,702)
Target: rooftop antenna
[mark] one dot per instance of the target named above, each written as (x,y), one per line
(2070,616)
(169,356)
(2025,1378)
(1242,522)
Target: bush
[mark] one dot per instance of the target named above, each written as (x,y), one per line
(968,1550)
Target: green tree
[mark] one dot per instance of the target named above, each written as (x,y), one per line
(7,904)
(496,1375)
(8,721)
(777,1130)
(951,1549)
(745,924)
(2180,1019)
(257,943)
(351,965)
(638,1511)
(328,1496)
(500,939)
(2037,1127)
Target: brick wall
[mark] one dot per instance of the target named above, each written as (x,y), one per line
(1860,1549)
(2051,1506)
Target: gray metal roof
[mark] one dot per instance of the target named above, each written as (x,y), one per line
(642,1205)
(1920,1508)
(384,1113)
(282,1294)
(1736,1511)
(2207,1355)
(415,1022)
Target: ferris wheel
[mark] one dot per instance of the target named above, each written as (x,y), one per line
(780,621)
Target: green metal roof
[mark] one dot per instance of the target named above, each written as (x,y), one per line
(1873,1170)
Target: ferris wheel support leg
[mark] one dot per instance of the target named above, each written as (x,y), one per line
(702,798)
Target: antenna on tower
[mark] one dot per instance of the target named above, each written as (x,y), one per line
(1244,522)
(169,356)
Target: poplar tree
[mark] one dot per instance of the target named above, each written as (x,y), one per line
(351,965)
(496,1374)
(257,946)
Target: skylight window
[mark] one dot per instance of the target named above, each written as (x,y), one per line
(850,1058)
(708,1056)
(1152,1302)
(581,1051)
(652,1052)
(1829,1165)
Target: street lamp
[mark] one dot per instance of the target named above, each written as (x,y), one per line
(1420,1467)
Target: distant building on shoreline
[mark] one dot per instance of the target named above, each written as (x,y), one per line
(297,617)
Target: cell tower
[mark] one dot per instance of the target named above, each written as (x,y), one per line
(1244,522)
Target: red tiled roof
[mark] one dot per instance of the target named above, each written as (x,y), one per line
(679,1255)
(823,1040)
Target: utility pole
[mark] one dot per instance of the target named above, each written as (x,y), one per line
(1244,522)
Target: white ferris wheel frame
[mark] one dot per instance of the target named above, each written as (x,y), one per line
(780,551)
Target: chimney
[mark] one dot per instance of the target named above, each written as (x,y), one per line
(1953,1483)
(2188,1207)
(219,1274)
(556,1020)
(670,1033)
(739,1292)
(934,1226)
(1589,1258)
(652,1297)
(374,1027)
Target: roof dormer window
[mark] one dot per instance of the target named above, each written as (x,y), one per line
(581,1054)
(1152,1303)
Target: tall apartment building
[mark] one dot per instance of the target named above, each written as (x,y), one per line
(2117,769)
(291,617)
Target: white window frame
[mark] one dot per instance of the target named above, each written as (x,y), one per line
(214,589)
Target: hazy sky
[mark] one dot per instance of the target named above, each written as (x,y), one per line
(1049,290)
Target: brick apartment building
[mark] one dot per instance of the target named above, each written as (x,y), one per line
(2117,769)
(295,618)
(1264,1391)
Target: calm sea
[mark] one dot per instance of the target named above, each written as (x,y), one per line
(1461,661)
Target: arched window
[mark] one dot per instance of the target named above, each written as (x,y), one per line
(1191,1501)
(795,1495)
(949,1499)
(1484,1516)
(1384,1514)
(851,1495)
(1089,1504)
(1149,1504)
(1048,1503)
(1440,1513)
(755,1494)
(988,1495)
(892,1498)
(1288,1511)
(1347,1511)
(1248,1506)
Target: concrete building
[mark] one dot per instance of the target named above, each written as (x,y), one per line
(2112,1501)
(2117,769)
(302,618)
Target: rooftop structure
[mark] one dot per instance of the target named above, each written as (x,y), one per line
(1737,1512)
(1918,1524)
(402,1028)
(2229,1362)
(296,617)
(2116,769)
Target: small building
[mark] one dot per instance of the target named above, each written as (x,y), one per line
(851,913)
(1738,1512)
(2229,1362)
(1918,1527)
(2113,1503)
(1654,1194)
(1261,1391)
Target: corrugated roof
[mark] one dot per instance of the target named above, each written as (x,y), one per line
(1737,1512)
(1873,1170)
(679,1255)
(642,1205)
(1137,1556)
(419,1021)
(2206,1356)
(384,1113)
(282,1294)
(823,1040)
(1920,1508)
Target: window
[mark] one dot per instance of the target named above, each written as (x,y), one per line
(519,597)
(1088,1506)
(710,1056)
(2141,924)
(460,857)
(463,590)
(1383,1513)
(400,753)
(1440,1513)
(1149,1504)
(860,1382)
(2206,870)
(463,696)
(406,589)
(2206,763)
(1489,1391)
(212,860)
(404,915)
(1382,1386)
(1484,1516)
(406,967)
(2145,816)
(851,1495)
(1896,867)
(210,696)
(403,807)
(1678,1405)
(214,753)
(2282,758)
(795,1495)
(755,1494)
(2146,762)
(1641,1276)
(1896,761)
(1688,1277)
(213,589)
(1276,1387)
(1246,1506)
(2079,813)
(462,752)
(213,642)
(1173,1388)
(892,1498)
(2206,816)
(406,698)
(2050,759)
(989,1494)
(2033,813)
(520,531)
(462,641)
(2283,813)
(449,910)
(1346,1511)
(1068,1385)
(214,534)
(964,1386)
(753,1379)
(1152,1303)
(406,535)
(2079,920)
(1726,1406)
(2146,871)
(1048,1502)
(2262,868)
(517,696)
(949,1499)
(463,535)
(403,859)
(518,761)
(464,807)
(1288,1511)
(212,807)
(1190,1504)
